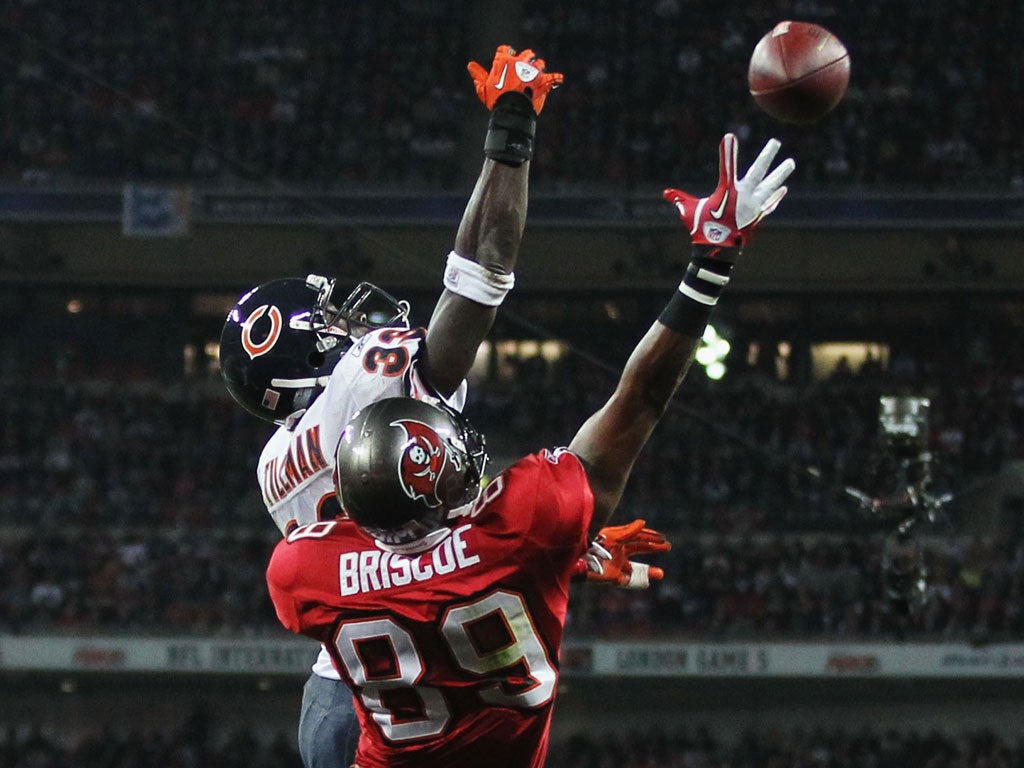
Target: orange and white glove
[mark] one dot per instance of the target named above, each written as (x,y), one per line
(513,72)
(608,559)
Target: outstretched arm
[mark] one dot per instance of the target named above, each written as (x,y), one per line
(609,442)
(480,270)
(489,235)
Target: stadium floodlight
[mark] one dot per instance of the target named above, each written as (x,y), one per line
(712,352)
(715,370)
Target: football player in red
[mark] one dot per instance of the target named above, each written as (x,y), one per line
(295,354)
(442,606)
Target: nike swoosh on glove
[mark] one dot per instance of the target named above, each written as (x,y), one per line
(513,72)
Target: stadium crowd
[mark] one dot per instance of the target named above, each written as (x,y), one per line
(194,745)
(734,456)
(109,478)
(771,587)
(676,74)
(321,93)
(657,747)
(298,91)
(808,748)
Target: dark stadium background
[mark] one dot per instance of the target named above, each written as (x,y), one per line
(156,160)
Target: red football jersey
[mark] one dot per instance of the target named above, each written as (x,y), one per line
(452,654)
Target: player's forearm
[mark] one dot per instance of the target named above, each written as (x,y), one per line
(655,370)
(489,236)
(456,330)
(611,440)
(495,216)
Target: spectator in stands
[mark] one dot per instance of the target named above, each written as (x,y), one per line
(160,94)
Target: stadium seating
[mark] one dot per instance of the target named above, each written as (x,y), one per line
(319,94)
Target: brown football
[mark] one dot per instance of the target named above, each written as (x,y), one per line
(798,72)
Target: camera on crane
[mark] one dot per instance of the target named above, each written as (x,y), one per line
(904,498)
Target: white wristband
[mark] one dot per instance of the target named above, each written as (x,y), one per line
(476,282)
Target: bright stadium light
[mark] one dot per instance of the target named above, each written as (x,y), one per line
(715,370)
(706,356)
(712,353)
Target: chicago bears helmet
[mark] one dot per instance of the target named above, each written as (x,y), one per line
(405,467)
(281,341)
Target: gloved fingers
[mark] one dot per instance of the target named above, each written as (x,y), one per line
(639,575)
(646,537)
(760,166)
(773,201)
(648,534)
(779,175)
(616,531)
(641,547)
(477,72)
(501,59)
(613,534)
(728,150)
(635,576)
(683,201)
(552,79)
(598,551)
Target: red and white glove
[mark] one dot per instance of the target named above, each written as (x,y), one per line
(608,559)
(512,72)
(729,215)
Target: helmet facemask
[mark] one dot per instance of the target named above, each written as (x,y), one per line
(366,308)
(469,448)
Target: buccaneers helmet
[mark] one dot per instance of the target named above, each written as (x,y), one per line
(405,467)
(282,339)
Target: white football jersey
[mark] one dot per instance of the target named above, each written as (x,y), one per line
(296,467)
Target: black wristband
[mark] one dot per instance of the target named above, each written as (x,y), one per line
(511,129)
(685,315)
(706,276)
(708,273)
(705,279)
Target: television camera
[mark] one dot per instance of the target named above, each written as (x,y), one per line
(904,499)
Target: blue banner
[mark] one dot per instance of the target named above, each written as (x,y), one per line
(152,211)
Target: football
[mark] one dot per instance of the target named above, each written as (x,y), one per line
(798,72)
